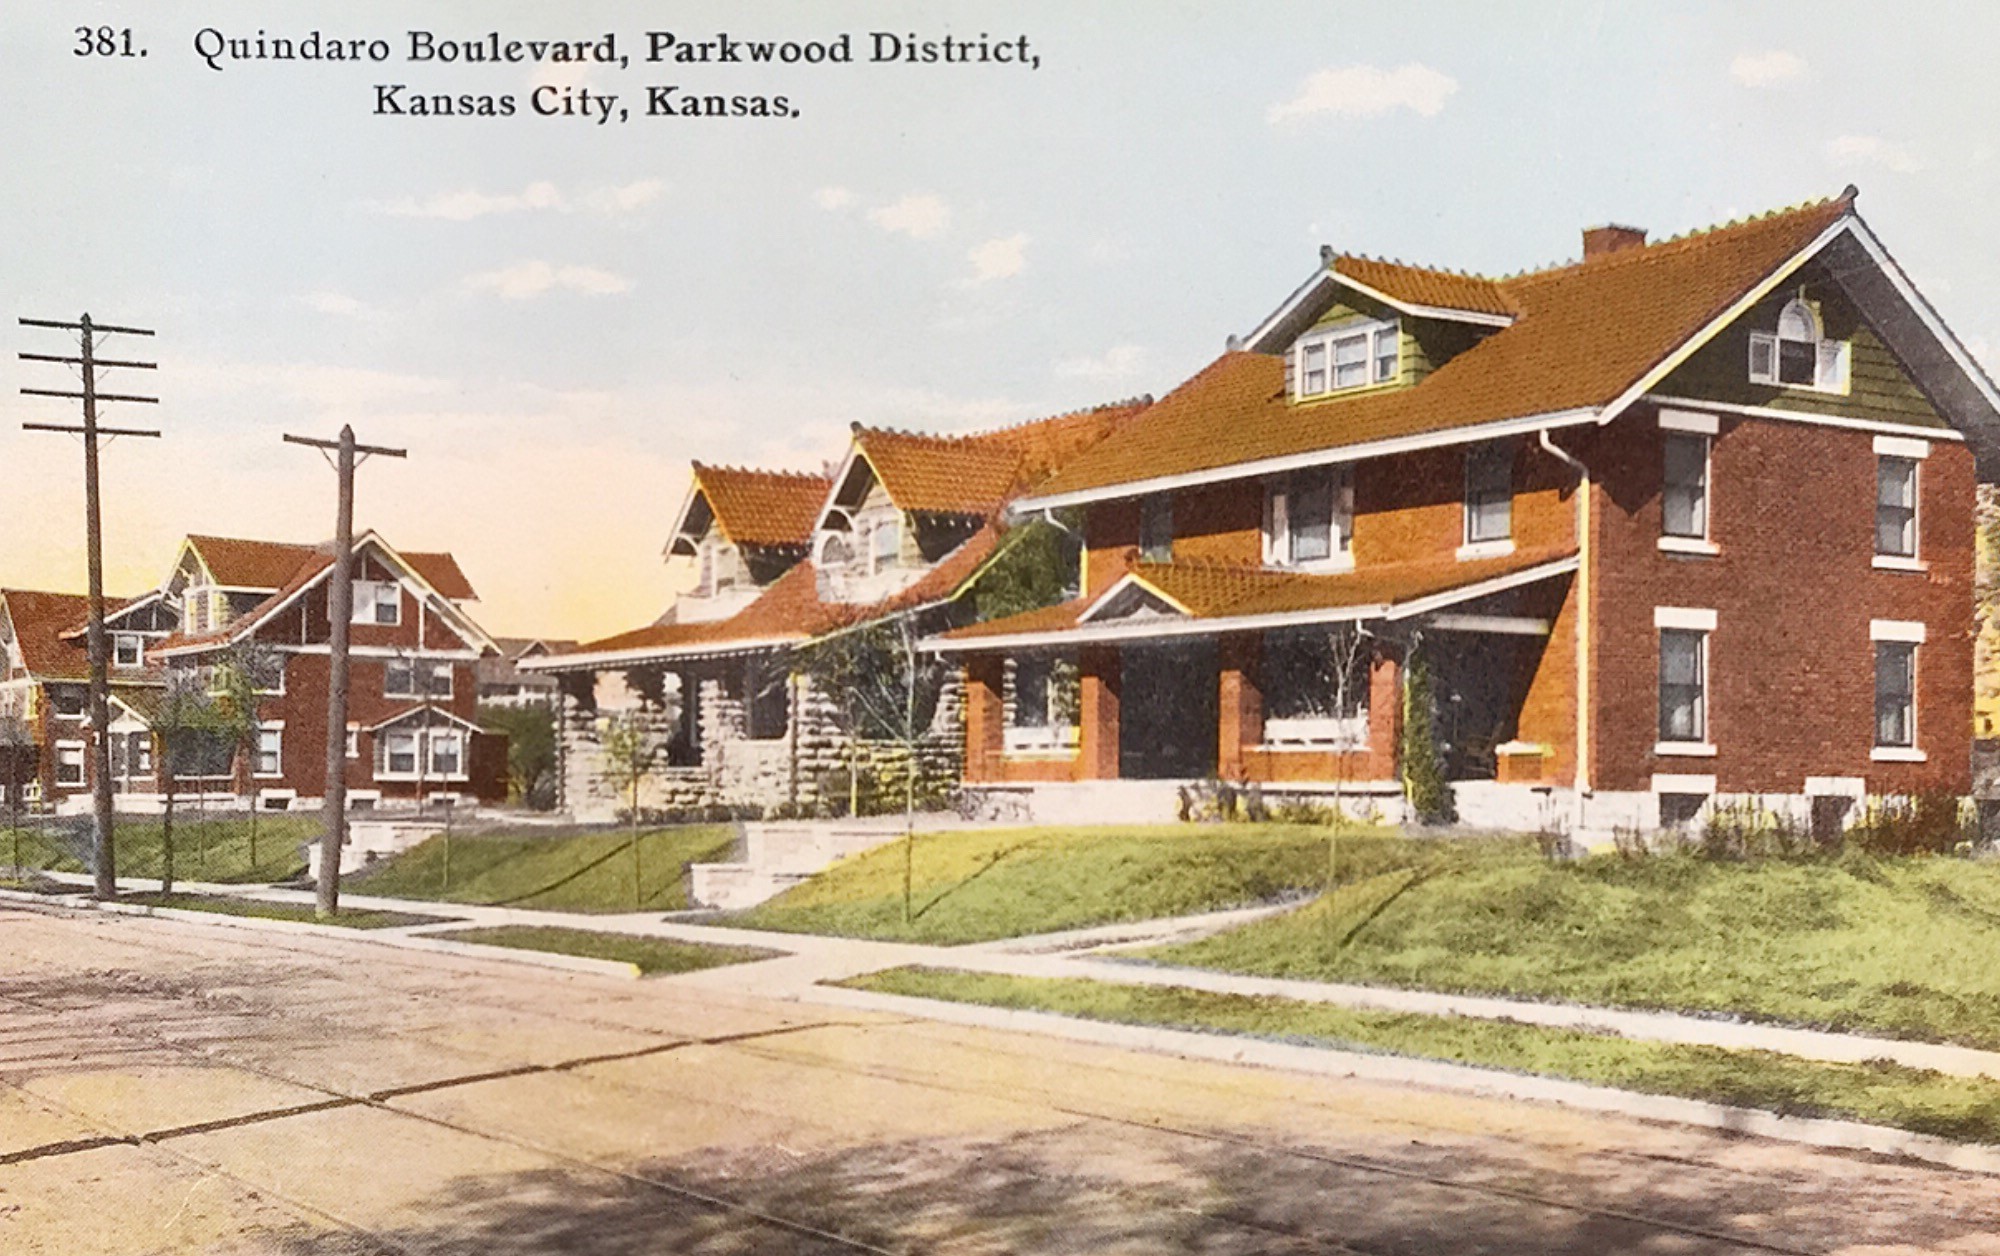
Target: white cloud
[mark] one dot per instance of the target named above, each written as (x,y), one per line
(338,303)
(1000,258)
(531,279)
(1365,91)
(1117,362)
(831,198)
(920,216)
(469,203)
(1873,150)
(1767,69)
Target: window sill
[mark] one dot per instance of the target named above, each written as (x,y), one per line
(1897,562)
(268,776)
(1691,749)
(440,777)
(1313,747)
(1485,549)
(1688,545)
(1039,754)
(1898,754)
(1522,748)
(1317,567)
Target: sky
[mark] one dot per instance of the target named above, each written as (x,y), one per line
(554,315)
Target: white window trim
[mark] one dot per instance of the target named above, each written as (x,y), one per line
(1689,421)
(1691,749)
(82,762)
(1836,787)
(1912,631)
(1317,732)
(120,639)
(363,609)
(1902,447)
(256,772)
(1913,561)
(1840,385)
(1694,619)
(1688,545)
(1898,754)
(1327,336)
(1682,783)
(1686,424)
(1278,529)
(1049,740)
(354,741)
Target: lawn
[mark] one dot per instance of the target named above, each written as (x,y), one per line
(349,918)
(1878,1092)
(1902,947)
(212,846)
(978,884)
(580,872)
(652,956)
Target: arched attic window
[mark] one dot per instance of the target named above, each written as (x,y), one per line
(836,551)
(1797,354)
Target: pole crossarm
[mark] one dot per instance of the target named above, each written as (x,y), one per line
(57,357)
(384,450)
(105,327)
(78,429)
(93,395)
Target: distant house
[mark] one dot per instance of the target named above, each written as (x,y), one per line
(410,732)
(45,728)
(1681,523)
(900,528)
(503,683)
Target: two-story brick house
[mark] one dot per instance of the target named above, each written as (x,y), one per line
(45,729)
(1677,522)
(781,559)
(413,652)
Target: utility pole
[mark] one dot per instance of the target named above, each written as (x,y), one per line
(104,856)
(340,611)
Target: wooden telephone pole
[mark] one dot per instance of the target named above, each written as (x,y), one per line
(340,613)
(104,856)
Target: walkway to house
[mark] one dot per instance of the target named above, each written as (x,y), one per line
(809,961)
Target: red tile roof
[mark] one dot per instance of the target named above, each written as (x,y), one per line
(791,610)
(978,473)
(1584,334)
(1233,591)
(40,620)
(1418,285)
(763,507)
(272,565)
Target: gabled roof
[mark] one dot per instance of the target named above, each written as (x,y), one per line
(40,621)
(439,573)
(1207,597)
(790,611)
(1419,289)
(1584,340)
(236,563)
(430,710)
(978,473)
(755,507)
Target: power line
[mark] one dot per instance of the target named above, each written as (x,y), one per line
(104,855)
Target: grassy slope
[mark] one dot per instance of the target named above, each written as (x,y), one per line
(1877,1092)
(652,955)
(976,885)
(583,872)
(347,917)
(213,849)
(1902,947)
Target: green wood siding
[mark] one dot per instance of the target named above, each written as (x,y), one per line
(1879,388)
(1424,344)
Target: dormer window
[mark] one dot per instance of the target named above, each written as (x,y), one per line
(719,567)
(836,551)
(128,649)
(1797,354)
(1352,355)
(885,541)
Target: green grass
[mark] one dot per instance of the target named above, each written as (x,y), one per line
(979,884)
(1878,1092)
(1902,947)
(216,847)
(652,956)
(347,917)
(580,872)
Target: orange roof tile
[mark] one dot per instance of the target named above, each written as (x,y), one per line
(978,473)
(1418,285)
(1585,333)
(40,620)
(763,507)
(241,564)
(442,572)
(1233,591)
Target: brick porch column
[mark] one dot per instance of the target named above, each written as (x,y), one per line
(985,673)
(1098,714)
(1240,707)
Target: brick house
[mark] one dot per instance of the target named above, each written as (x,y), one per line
(45,730)
(413,692)
(1679,522)
(780,560)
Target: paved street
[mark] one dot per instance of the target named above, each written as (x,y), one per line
(179,1087)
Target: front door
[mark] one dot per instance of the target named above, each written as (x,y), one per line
(1167,711)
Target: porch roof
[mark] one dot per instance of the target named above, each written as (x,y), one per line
(1194,598)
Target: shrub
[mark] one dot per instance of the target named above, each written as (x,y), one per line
(1423,769)
(1749,830)
(1931,823)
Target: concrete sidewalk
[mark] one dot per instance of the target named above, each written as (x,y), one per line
(808,961)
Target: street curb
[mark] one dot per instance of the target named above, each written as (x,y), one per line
(1467,1079)
(380,937)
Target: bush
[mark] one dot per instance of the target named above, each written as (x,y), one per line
(1429,793)
(1749,830)
(1931,823)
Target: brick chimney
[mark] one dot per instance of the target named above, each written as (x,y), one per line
(1611,238)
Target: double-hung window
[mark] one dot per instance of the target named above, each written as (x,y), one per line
(1686,446)
(128,649)
(1896,642)
(378,602)
(1309,518)
(270,750)
(1489,498)
(1348,356)
(69,763)
(1041,703)
(447,752)
(1897,460)
(1684,679)
(1156,528)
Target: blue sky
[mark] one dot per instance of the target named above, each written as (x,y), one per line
(554,316)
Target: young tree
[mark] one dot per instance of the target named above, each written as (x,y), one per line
(243,672)
(629,747)
(1424,782)
(191,733)
(884,689)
